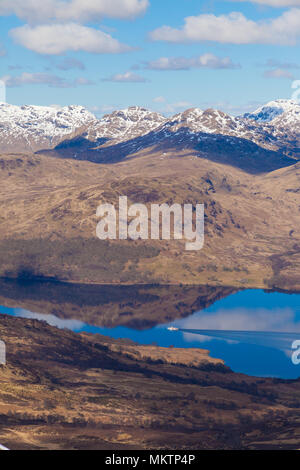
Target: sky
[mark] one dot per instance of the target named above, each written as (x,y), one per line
(165,55)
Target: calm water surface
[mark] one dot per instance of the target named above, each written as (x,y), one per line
(246,311)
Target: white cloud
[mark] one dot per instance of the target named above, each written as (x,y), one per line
(15,67)
(177,107)
(59,38)
(171,108)
(278,64)
(209,61)
(276,3)
(231,108)
(82,81)
(278,73)
(42,79)
(70,63)
(36,11)
(159,99)
(234,28)
(127,77)
(103,109)
(180,105)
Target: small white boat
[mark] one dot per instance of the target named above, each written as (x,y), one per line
(172,328)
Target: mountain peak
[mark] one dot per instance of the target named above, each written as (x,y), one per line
(193,113)
(133,113)
(126,123)
(210,121)
(273,109)
(31,128)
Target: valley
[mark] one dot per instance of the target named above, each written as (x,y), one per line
(66,390)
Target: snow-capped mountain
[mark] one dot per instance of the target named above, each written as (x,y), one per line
(280,121)
(125,124)
(212,134)
(274,109)
(197,122)
(32,128)
(269,134)
(210,121)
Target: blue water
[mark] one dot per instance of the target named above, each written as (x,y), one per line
(246,311)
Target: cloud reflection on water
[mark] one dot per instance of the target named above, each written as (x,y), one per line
(74,325)
(276,328)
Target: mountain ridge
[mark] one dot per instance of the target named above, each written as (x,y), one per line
(74,132)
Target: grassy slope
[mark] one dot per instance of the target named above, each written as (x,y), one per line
(47,222)
(60,390)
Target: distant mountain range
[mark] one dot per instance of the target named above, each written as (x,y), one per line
(32,128)
(264,140)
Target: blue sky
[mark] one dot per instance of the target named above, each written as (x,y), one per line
(109,54)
